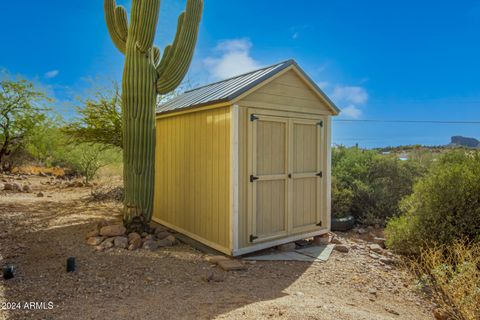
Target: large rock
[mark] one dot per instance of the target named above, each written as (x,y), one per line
(150,245)
(40,194)
(27,188)
(12,186)
(375,248)
(162,234)
(106,244)
(164,243)
(132,236)
(121,242)
(113,230)
(172,239)
(135,243)
(93,233)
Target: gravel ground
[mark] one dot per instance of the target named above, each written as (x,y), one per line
(37,235)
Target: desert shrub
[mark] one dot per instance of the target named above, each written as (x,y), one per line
(369,185)
(452,275)
(444,207)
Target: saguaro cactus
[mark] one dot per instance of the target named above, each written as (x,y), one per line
(144,76)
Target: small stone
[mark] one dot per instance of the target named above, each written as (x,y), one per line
(215,259)
(113,230)
(392,311)
(336,241)
(375,248)
(374,256)
(106,244)
(172,239)
(150,245)
(372,292)
(144,234)
(40,194)
(299,294)
(360,231)
(8,186)
(341,248)
(231,265)
(379,241)
(387,260)
(440,314)
(132,236)
(94,241)
(212,276)
(286,246)
(162,234)
(324,239)
(120,242)
(27,188)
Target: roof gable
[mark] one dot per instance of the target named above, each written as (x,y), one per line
(233,89)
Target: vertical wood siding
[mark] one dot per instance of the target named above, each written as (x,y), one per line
(192,177)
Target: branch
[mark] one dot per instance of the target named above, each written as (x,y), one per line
(175,63)
(148,24)
(115,34)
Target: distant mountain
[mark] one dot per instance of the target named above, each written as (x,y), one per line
(465,142)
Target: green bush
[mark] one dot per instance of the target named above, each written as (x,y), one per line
(373,184)
(444,207)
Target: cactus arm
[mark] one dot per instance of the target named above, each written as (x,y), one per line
(110,6)
(182,50)
(148,20)
(168,52)
(155,56)
(121,22)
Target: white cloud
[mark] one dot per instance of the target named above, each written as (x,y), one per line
(295,35)
(357,95)
(352,111)
(231,58)
(348,98)
(51,74)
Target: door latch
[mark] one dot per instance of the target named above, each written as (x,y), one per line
(320,174)
(252,237)
(253,178)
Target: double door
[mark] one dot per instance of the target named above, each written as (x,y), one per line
(285,176)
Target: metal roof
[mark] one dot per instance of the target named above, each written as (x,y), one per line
(228,89)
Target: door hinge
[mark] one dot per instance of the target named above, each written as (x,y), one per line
(253,117)
(320,123)
(252,237)
(320,174)
(253,178)
(319,224)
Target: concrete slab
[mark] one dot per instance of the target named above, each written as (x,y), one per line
(318,252)
(310,254)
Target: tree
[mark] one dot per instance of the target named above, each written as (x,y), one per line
(21,111)
(145,75)
(86,159)
(100,120)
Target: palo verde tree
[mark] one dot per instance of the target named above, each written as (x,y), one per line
(145,75)
(99,121)
(21,111)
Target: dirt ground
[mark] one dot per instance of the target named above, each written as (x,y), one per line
(37,234)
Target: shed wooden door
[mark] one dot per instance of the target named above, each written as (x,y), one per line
(306,172)
(286,176)
(269,138)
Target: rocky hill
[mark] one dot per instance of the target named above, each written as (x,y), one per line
(465,142)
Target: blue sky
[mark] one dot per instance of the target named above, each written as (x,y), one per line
(392,60)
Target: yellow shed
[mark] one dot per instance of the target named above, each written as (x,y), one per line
(243,164)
